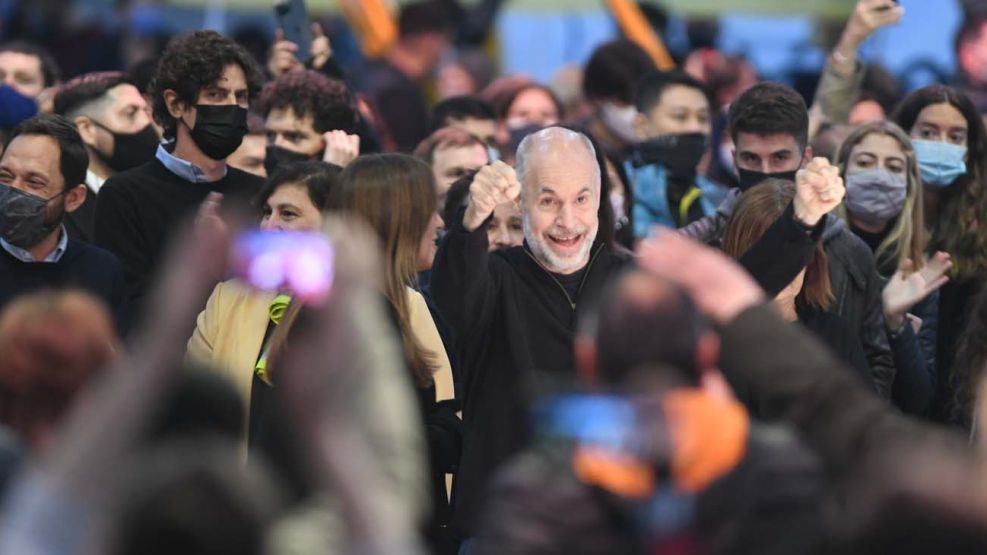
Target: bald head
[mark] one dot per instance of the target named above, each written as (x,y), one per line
(555,147)
(645,322)
(560,197)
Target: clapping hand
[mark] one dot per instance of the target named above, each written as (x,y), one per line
(907,287)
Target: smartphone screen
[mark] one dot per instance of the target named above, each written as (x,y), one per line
(292,17)
(300,263)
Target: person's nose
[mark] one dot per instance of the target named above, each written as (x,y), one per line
(694,126)
(503,237)
(273,223)
(280,141)
(566,217)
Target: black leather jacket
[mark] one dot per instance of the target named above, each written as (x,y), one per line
(857,291)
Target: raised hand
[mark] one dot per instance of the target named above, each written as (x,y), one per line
(869,16)
(284,53)
(818,190)
(341,147)
(907,287)
(283,57)
(717,284)
(493,185)
(321,47)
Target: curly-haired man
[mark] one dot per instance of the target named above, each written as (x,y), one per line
(201,92)
(308,116)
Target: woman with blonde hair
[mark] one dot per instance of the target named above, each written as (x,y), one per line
(883,206)
(395,195)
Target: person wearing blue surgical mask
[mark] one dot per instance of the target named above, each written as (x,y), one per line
(883,206)
(951,150)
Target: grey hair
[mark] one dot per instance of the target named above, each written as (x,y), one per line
(543,140)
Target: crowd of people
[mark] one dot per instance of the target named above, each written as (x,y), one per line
(677,311)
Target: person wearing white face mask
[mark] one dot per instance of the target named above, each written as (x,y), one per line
(609,83)
(951,150)
(883,206)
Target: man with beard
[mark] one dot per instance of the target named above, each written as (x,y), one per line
(201,93)
(514,311)
(308,116)
(41,181)
(115,124)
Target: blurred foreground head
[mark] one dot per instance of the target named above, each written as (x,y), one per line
(194,498)
(644,322)
(52,344)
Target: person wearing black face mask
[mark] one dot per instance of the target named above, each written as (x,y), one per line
(674,121)
(113,120)
(308,116)
(41,182)
(201,93)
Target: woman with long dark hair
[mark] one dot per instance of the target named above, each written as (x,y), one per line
(951,147)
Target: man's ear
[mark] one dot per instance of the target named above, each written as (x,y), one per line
(585,350)
(707,351)
(87,130)
(175,106)
(807,156)
(75,197)
(642,126)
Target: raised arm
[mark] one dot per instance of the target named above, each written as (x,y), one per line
(71,484)
(465,281)
(790,242)
(839,86)
(794,377)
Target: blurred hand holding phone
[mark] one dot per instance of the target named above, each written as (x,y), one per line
(293,20)
(301,263)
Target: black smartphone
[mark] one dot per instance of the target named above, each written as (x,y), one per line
(292,17)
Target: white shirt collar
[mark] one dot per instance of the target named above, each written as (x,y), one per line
(94,182)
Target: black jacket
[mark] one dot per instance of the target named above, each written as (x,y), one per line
(771,503)
(514,324)
(915,360)
(82,266)
(804,385)
(857,289)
